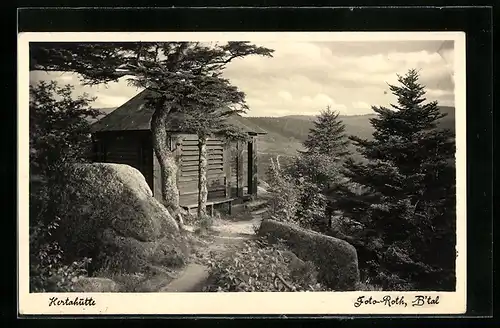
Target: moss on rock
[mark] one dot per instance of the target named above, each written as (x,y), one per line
(336,260)
(95,285)
(107,210)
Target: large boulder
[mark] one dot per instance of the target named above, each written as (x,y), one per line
(134,256)
(336,260)
(108,212)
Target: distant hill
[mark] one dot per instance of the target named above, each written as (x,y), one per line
(285,134)
(296,127)
(107,110)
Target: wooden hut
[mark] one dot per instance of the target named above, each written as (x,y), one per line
(124,136)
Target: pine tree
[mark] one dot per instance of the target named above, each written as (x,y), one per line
(175,73)
(326,146)
(318,168)
(407,196)
(327,137)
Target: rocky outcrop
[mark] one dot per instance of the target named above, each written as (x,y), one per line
(336,260)
(135,256)
(108,213)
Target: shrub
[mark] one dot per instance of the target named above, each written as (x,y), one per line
(59,135)
(127,282)
(59,126)
(48,273)
(319,169)
(311,207)
(367,286)
(285,194)
(260,267)
(205,223)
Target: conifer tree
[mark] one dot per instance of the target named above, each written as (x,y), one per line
(327,137)
(175,73)
(325,146)
(318,167)
(407,198)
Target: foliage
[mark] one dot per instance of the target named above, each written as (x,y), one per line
(328,136)
(285,194)
(181,77)
(311,207)
(59,135)
(317,170)
(260,267)
(407,203)
(296,197)
(186,73)
(186,76)
(59,128)
(48,273)
(104,62)
(205,223)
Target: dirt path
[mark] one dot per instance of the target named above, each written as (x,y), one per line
(226,234)
(238,228)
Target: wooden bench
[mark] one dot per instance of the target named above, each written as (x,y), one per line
(210,205)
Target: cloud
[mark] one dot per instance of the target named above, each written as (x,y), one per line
(106,101)
(305,77)
(285,95)
(320,101)
(360,105)
(306,69)
(438,93)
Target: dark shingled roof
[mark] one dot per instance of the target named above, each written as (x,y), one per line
(133,115)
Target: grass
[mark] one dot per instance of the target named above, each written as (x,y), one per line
(366,286)
(151,279)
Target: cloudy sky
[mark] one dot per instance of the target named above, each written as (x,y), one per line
(303,78)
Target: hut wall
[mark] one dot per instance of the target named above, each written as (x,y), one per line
(187,153)
(189,169)
(126,147)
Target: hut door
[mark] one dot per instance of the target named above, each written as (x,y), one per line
(238,180)
(234,169)
(146,160)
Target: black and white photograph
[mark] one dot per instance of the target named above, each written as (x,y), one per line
(169,169)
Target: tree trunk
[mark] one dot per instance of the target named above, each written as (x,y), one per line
(167,161)
(202,177)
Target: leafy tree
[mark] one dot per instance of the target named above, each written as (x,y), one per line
(285,194)
(59,136)
(59,128)
(180,75)
(314,174)
(407,199)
